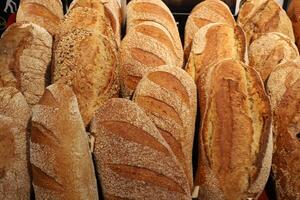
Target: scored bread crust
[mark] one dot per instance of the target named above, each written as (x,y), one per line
(262,16)
(44,13)
(206,12)
(269,50)
(213,43)
(294,14)
(132,158)
(25,51)
(15,113)
(168,96)
(61,162)
(148,45)
(235,135)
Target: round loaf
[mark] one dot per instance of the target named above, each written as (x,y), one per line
(294,14)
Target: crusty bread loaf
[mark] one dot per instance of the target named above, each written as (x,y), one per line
(269,50)
(262,16)
(86,59)
(132,158)
(235,136)
(294,14)
(14,173)
(44,13)
(168,96)
(25,56)
(206,12)
(61,162)
(282,77)
(213,43)
(146,46)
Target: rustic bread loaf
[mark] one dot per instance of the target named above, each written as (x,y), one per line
(235,136)
(262,16)
(44,13)
(25,55)
(294,14)
(168,96)
(132,158)
(269,50)
(62,166)
(213,43)
(14,173)
(148,45)
(206,12)
(282,77)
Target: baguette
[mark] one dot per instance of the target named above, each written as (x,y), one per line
(263,16)
(62,166)
(25,56)
(213,43)
(14,174)
(294,14)
(44,13)
(235,136)
(132,158)
(269,50)
(206,12)
(168,96)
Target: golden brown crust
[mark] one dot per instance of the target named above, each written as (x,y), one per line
(127,148)
(235,135)
(44,13)
(25,51)
(62,166)
(294,14)
(263,16)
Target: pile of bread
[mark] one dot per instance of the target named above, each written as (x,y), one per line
(86,115)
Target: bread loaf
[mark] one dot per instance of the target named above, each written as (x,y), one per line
(14,173)
(168,96)
(206,12)
(213,43)
(86,59)
(132,158)
(263,16)
(235,136)
(44,13)
(146,46)
(294,14)
(269,50)
(25,56)
(61,163)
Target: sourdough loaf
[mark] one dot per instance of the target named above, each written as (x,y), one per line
(168,96)
(44,13)
(25,56)
(269,50)
(148,45)
(206,12)
(132,158)
(235,136)
(262,16)
(213,43)
(61,163)
(14,173)
(294,14)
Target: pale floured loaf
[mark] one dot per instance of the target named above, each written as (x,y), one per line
(206,12)
(213,43)
(269,50)
(294,14)
(235,136)
(263,16)
(132,158)
(14,172)
(61,162)
(25,56)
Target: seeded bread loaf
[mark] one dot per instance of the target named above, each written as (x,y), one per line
(206,12)
(61,162)
(14,172)
(25,56)
(235,135)
(132,158)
